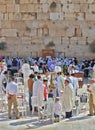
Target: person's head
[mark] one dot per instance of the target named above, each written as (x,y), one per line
(5,73)
(67,81)
(31,76)
(57,99)
(47,73)
(35,73)
(45,80)
(39,77)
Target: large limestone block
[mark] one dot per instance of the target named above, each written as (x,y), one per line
(32,1)
(20,25)
(6,1)
(13,40)
(25,1)
(2,8)
(43,1)
(38,8)
(70,32)
(92,8)
(70,16)
(80,16)
(17,7)
(76,8)
(81,40)
(42,16)
(28,16)
(45,8)
(84,8)
(65,40)
(87,1)
(37,40)
(52,31)
(10,16)
(6,24)
(76,1)
(2,1)
(10,8)
(57,40)
(68,8)
(26,40)
(33,32)
(54,16)
(1,16)
(9,32)
(27,8)
(34,23)
(39,32)
(90,17)
(16,16)
(73,40)
(5,16)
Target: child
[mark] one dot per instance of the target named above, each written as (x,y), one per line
(57,109)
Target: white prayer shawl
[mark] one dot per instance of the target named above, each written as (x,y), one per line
(68,98)
(38,91)
(60,85)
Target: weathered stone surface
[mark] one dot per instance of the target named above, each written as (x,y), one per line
(9,32)
(70,24)
(2,8)
(10,8)
(90,17)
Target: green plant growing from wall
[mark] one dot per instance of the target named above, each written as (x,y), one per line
(50,44)
(2,45)
(28,29)
(92,46)
(53,5)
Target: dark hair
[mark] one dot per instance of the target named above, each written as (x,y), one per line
(39,77)
(31,76)
(5,72)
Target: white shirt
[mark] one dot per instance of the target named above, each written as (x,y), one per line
(57,108)
(11,88)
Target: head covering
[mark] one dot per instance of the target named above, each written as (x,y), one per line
(45,79)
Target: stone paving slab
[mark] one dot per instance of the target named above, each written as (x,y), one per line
(81,122)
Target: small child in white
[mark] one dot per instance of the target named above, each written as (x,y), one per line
(57,109)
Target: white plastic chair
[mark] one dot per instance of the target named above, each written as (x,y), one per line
(22,104)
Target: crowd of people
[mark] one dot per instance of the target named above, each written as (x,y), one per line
(47,79)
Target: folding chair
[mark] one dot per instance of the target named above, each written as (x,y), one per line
(22,104)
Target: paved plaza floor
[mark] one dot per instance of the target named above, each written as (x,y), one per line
(80,122)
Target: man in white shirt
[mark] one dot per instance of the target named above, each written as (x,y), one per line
(91,90)
(11,91)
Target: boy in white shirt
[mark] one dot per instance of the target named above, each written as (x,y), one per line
(57,109)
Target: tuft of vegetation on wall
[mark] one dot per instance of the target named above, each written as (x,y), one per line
(92,46)
(2,45)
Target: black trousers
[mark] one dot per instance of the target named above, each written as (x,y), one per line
(68,114)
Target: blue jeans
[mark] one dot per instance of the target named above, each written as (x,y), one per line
(30,104)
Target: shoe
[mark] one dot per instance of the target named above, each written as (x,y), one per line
(90,115)
(10,117)
(17,117)
(30,109)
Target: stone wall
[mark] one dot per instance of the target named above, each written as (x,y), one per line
(27,26)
